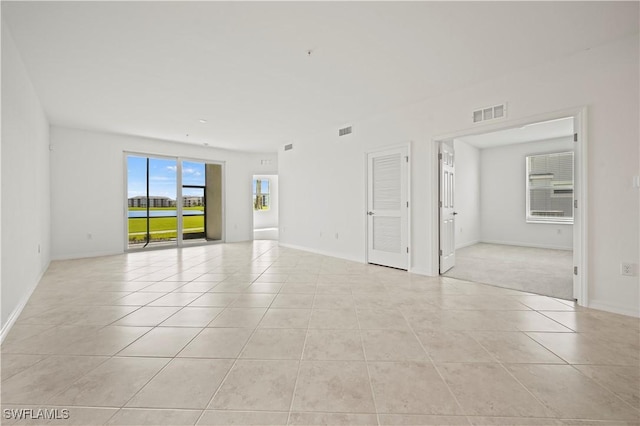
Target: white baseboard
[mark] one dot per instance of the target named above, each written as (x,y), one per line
(614,308)
(521,244)
(84,255)
(420,271)
(6,327)
(323,252)
(470,243)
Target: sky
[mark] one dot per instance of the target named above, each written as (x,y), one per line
(162,177)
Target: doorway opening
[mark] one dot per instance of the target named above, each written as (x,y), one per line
(507,207)
(172,202)
(265,207)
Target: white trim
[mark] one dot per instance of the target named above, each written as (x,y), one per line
(470,243)
(520,244)
(85,255)
(6,327)
(611,307)
(322,252)
(580,234)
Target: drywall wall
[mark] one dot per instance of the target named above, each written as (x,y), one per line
(25,185)
(88,184)
(467,193)
(503,197)
(268,218)
(604,79)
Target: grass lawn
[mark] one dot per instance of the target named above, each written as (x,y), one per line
(163,228)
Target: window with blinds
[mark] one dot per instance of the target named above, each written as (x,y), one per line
(550,188)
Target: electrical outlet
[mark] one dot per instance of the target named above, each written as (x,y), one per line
(628,269)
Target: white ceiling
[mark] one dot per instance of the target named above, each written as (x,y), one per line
(531,132)
(155,68)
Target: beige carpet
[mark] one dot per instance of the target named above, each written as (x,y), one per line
(534,270)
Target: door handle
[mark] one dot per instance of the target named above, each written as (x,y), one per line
(455,213)
(370,213)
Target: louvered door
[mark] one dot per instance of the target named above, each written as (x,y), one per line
(387,209)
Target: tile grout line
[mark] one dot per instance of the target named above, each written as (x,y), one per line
(366,363)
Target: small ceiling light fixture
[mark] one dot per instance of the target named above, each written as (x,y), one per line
(203,121)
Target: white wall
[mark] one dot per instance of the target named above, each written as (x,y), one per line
(268,218)
(603,78)
(503,197)
(88,188)
(25,185)
(467,193)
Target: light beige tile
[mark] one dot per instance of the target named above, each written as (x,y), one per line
(257,385)
(231,287)
(163,287)
(410,388)
(296,301)
(271,278)
(147,316)
(570,394)
(489,390)
(220,300)
(183,383)
(161,341)
(392,345)
(212,277)
(217,343)
(299,288)
(381,319)
(332,301)
(513,421)
(333,386)
(13,364)
(244,418)
(138,417)
(453,346)
(266,288)
(138,299)
(543,303)
(578,348)
(175,299)
(20,332)
(196,287)
(112,383)
(239,317)
(422,419)
(273,343)
(623,381)
(337,345)
(515,347)
(80,416)
(192,317)
(107,341)
(40,382)
(286,318)
(333,419)
(334,319)
(253,300)
(55,340)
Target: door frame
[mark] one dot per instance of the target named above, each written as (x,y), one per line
(406,145)
(580,228)
(179,160)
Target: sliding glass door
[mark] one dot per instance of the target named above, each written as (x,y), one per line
(167,201)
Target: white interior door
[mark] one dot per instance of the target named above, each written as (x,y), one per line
(387,208)
(447,213)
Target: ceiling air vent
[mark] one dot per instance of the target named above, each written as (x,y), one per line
(345,131)
(490,113)
(288,147)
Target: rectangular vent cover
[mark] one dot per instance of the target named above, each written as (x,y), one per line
(288,147)
(490,113)
(345,131)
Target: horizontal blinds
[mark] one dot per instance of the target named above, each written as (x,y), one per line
(550,186)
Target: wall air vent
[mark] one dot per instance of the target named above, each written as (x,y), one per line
(345,131)
(288,147)
(490,113)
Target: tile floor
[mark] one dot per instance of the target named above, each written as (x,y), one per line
(253,333)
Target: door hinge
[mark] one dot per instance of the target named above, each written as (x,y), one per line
(575,204)
(575,137)
(439,203)
(407,204)
(575,270)
(440,156)
(407,249)
(406,158)
(440,252)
